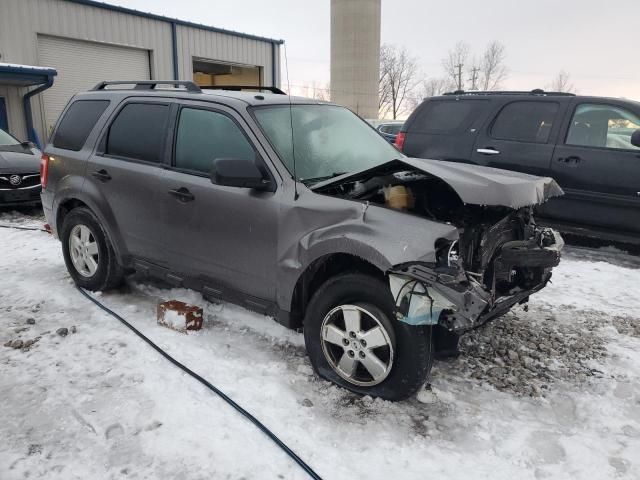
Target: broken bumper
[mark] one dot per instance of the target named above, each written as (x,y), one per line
(428,295)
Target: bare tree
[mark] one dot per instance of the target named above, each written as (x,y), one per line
(492,69)
(320,92)
(454,63)
(312,90)
(429,87)
(384,85)
(398,71)
(562,83)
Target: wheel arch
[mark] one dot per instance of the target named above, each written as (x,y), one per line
(68,204)
(322,269)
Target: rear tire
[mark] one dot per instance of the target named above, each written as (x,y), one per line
(400,356)
(88,253)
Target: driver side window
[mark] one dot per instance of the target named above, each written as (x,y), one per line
(204,135)
(603,126)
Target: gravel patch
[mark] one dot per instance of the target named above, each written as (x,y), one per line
(517,354)
(627,326)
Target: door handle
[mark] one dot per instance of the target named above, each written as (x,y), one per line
(569,159)
(101,175)
(488,151)
(182,194)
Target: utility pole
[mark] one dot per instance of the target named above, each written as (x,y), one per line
(459,67)
(474,78)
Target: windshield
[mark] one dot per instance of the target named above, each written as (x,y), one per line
(329,140)
(6,139)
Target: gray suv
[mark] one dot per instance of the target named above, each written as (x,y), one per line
(297,209)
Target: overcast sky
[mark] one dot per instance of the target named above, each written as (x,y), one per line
(593,40)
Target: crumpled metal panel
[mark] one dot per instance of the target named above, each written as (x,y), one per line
(313,226)
(478,185)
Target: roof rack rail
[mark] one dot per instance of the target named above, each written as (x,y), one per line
(151,84)
(239,88)
(536,91)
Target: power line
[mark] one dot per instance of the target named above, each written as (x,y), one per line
(459,75)
(474,78)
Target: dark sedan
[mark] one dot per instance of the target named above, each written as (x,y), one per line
(19,172)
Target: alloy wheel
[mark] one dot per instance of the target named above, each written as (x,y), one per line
(356,345)
(83,249)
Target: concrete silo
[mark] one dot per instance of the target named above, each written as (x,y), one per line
(355,55)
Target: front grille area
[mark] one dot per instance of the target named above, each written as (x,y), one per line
(17,181)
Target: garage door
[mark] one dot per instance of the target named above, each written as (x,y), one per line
(81,65)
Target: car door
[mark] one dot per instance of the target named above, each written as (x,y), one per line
(598,167)
(446,128)
(521,136)
(125,174)
(226,236)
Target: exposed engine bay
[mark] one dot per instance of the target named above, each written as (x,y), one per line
(499,259)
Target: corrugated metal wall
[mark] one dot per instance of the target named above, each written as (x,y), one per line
(13,100)
(224,48)
(22,20)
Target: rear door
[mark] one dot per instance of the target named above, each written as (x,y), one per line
(597,166)
(125,173)
(226,236)
(521,136)
(445,128)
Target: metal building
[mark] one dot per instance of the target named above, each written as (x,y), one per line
(355,55)
(85,42)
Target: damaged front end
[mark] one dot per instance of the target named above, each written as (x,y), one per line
(500,256)
(480,276)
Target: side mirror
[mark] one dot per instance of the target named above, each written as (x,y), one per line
(232,172)
(28,144)
(635,138)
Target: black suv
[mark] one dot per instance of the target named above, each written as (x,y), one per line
(298,209)
(589,145)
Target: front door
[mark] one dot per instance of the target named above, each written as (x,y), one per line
(598,167)
(521,137)
(127,171)
(226,236)
(4,121)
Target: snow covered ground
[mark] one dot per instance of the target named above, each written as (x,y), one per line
(549,393)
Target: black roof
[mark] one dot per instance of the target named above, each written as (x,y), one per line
(537,91)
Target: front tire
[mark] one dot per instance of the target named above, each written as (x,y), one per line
(354,340)
(88,253)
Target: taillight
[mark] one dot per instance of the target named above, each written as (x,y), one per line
(44,169)
(399,143)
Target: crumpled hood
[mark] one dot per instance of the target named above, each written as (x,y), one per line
(18,161)
(474,184)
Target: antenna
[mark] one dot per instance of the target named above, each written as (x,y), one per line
(293,143)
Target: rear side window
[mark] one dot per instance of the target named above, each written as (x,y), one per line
(393,129)
(446,116)
(525,122)
(138,132)
(77,123)
(204,136)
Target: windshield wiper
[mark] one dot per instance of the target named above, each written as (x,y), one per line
(310,181)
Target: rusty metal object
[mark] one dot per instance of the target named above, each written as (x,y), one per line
(179,316)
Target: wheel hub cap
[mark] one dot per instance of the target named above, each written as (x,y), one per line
(83,250)
(356,345)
